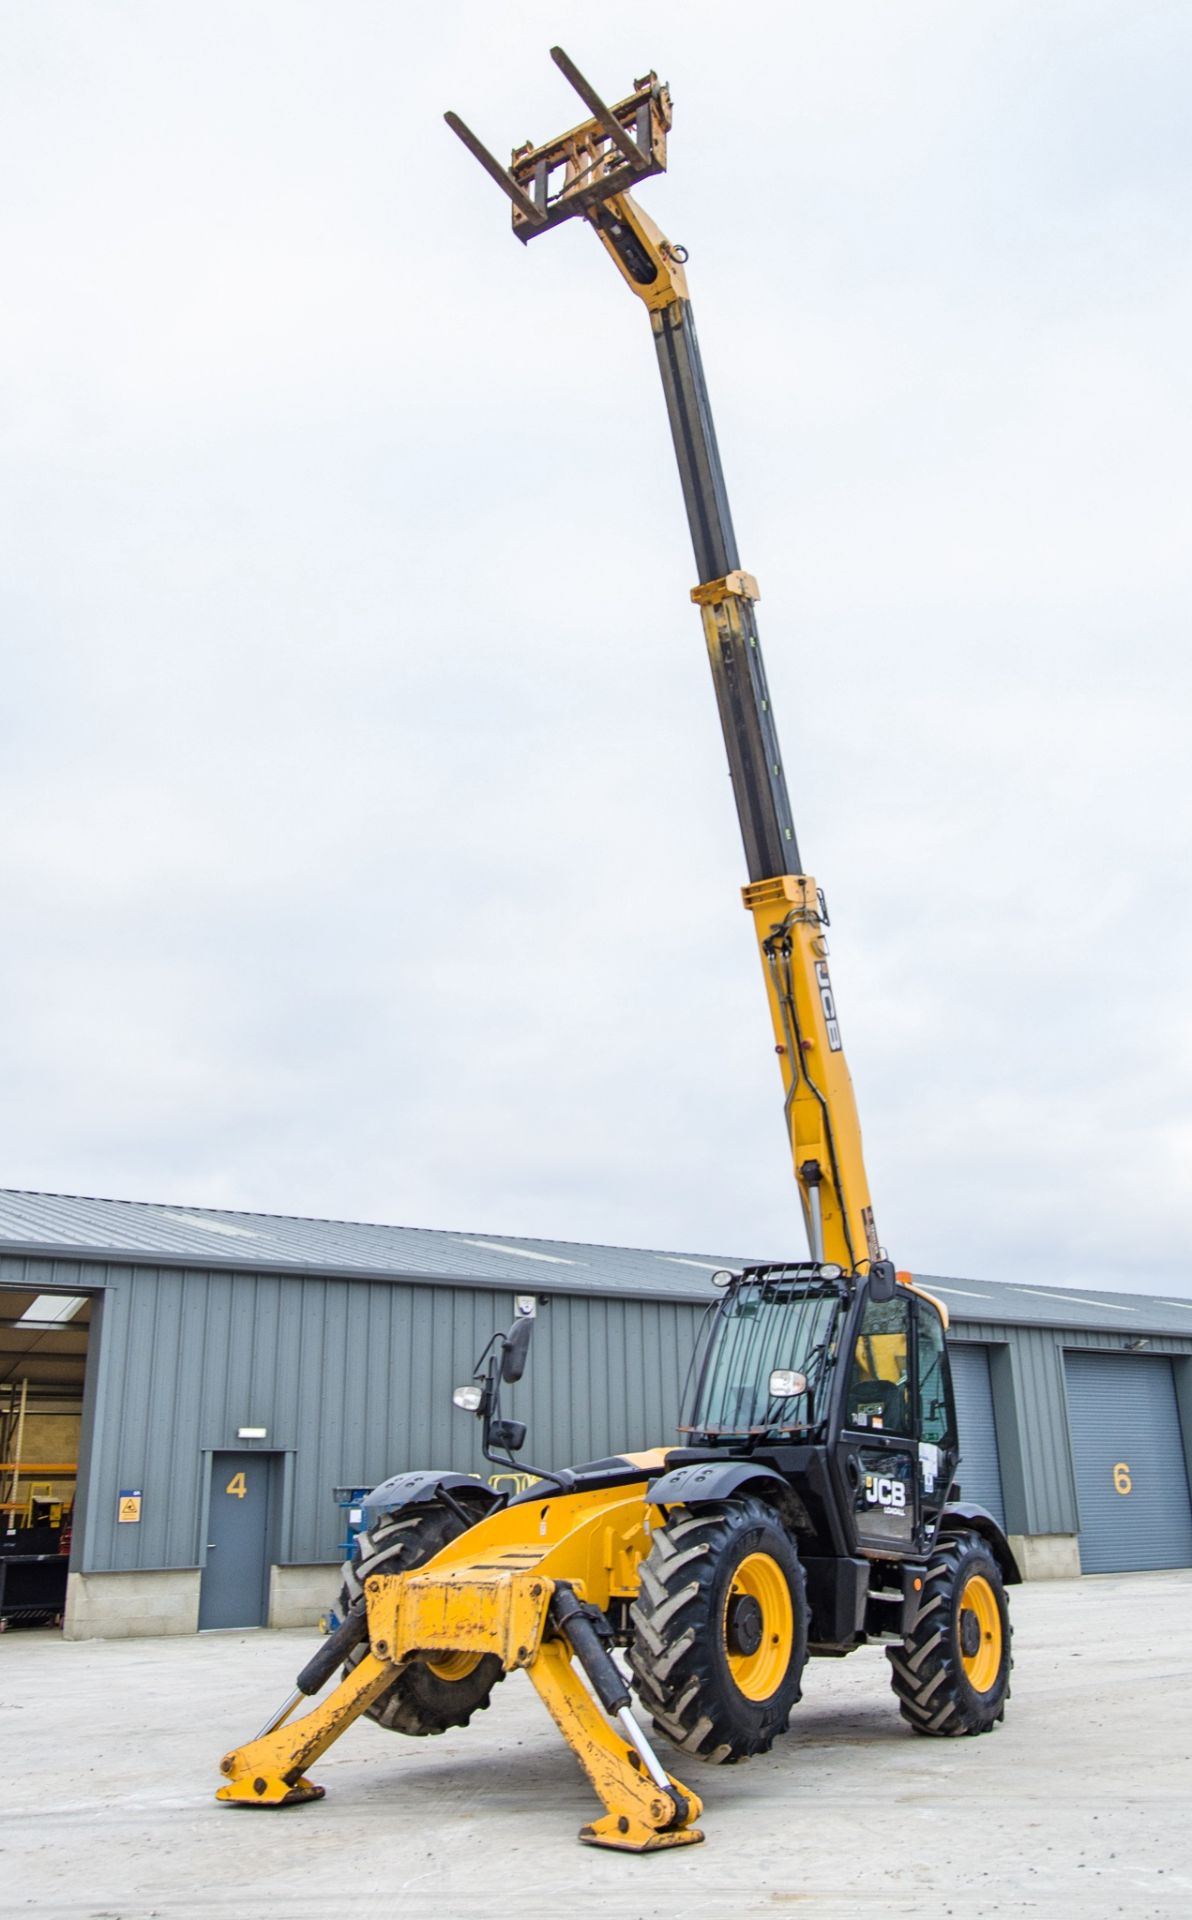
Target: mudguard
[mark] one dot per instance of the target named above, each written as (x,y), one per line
(964,1516)
(419,1489)
(705,1480)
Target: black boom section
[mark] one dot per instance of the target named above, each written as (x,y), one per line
(738,672)
(690,413)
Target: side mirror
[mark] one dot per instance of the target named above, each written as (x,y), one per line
(883,1282)
(509,1435)
(516,1349)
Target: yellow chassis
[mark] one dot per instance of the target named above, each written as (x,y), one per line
(490,1592)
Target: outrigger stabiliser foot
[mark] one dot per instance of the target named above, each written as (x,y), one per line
(269,1771)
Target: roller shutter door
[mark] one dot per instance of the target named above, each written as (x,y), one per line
(1131,1477)
(980,1473)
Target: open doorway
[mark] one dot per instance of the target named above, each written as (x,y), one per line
(43,1359)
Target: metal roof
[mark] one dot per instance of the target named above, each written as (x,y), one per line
(69,1226)
(75,1227)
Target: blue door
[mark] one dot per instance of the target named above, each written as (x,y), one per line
(235,1577)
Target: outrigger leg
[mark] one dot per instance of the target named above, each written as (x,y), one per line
(269,1771)
(647,1808)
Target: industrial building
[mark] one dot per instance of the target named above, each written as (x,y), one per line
(182,1390)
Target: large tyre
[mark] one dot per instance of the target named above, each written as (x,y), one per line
(428,1695)
(720,1629)
(952,1672)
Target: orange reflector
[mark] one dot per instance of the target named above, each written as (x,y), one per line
(918,1586)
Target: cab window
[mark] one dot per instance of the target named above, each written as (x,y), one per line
(879,1389)
(935,1410)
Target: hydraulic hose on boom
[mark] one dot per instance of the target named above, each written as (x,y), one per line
(587,173)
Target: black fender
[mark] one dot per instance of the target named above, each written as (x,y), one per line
(964,1516)
(421,1489)
(710,1480)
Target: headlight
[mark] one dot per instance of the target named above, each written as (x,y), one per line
(785,1384)
(469,1398)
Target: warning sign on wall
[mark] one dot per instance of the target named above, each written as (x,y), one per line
(128,1504)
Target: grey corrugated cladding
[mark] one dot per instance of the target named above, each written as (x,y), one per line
(141,1231)
(1031,1409)
(352,1380)
(344,1341)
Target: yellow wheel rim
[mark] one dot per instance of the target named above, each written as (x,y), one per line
(759,1674)
(454,1666)
(982,1667)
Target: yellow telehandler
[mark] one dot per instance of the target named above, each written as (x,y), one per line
(812,1507)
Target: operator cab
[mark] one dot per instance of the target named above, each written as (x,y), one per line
(842,1383)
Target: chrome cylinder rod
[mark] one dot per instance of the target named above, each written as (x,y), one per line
(641,1745)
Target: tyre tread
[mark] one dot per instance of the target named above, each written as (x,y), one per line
(928,1660)
(675,1674)
(418,1703)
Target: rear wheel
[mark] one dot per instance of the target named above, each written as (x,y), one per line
(952,1672)
(429,1694)
(720,1629)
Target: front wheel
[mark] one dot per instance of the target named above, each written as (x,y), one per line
(952,1672)
(720,1629)
(430,1693)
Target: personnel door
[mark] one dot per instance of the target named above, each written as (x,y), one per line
(233,1592)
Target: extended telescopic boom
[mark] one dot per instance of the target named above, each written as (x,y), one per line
(587,172)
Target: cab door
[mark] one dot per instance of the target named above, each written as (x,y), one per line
(878,1451)
(937,1447)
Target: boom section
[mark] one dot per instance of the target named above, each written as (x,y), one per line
(587,173)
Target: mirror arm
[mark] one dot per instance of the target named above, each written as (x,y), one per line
(490,1406)
(489,1413)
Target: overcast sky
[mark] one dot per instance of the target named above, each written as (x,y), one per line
(366,847)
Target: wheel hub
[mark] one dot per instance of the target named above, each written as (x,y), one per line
(970,1633)
(743,1625)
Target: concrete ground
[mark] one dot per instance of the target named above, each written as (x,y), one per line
(1080,1804)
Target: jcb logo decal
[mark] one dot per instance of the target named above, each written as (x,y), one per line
(882,1491)
(828,1003)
